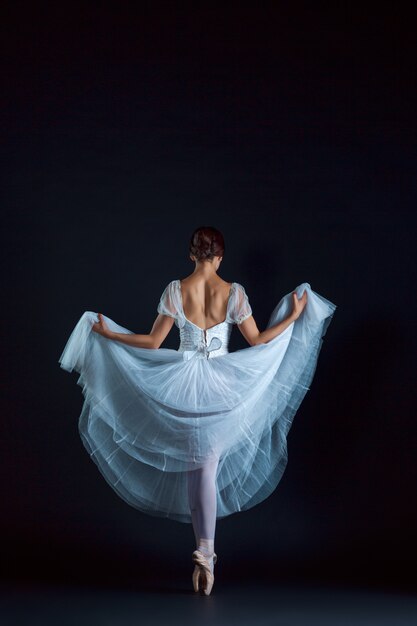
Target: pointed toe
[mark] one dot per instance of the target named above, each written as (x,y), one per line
(203,577)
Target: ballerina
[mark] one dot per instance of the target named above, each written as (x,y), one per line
(198,433)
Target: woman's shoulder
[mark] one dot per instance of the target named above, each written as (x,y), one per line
(238,287)
(171,285)
(239,306)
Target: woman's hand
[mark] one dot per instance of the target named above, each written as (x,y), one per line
(298,304)
(101,327)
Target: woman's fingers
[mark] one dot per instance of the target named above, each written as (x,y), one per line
(98,327)
(299,303)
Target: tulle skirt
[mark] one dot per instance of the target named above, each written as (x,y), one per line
(150,416)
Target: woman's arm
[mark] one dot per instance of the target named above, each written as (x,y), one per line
(160,329)
(254,336)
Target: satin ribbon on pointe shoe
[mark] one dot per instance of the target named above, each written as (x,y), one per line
(202,572)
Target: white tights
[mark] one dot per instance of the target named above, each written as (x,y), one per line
(201,485)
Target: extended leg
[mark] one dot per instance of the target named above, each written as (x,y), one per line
(192,488)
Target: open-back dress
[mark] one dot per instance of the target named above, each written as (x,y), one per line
(152,415)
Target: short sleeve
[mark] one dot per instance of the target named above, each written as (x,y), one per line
(240,309)
(170,304)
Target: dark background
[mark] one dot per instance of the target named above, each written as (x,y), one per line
(291,128)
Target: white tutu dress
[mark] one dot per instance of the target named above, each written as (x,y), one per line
(152,415)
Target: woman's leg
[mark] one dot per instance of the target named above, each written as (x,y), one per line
(203,504)
(191,485)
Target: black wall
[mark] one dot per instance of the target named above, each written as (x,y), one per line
(291,127)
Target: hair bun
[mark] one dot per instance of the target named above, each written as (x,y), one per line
(206,243)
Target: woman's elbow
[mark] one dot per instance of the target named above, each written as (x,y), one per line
(258,340)
(155,341)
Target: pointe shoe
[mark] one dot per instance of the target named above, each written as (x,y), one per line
(203,579)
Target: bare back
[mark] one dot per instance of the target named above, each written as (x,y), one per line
(205,300)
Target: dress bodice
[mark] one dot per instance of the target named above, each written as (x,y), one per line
(197,341)
(208,343)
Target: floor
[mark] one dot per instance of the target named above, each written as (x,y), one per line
(168,602)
